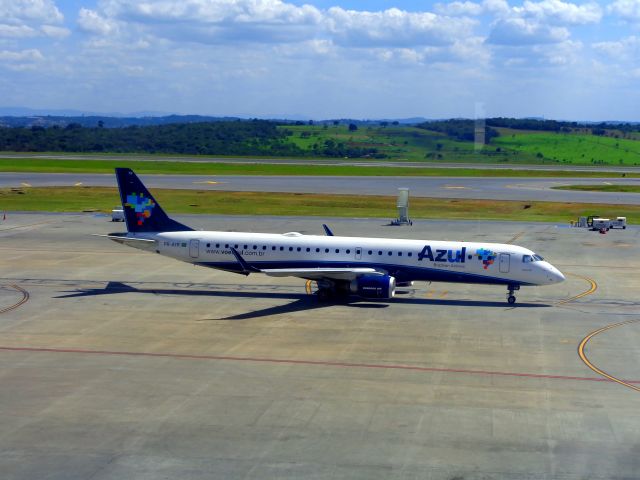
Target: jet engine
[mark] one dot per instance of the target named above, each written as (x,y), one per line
(374,286)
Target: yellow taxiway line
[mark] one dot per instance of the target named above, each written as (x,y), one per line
(584,358)
(592,288)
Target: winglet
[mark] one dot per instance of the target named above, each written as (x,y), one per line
(246,268)
(327,230)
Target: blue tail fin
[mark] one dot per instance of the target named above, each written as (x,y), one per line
(141,211)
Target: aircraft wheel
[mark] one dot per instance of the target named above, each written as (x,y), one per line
(324,294)
(511,299)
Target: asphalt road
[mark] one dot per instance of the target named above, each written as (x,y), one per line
(524,189)
(320,161)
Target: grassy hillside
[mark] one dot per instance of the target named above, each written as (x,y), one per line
(261,139)
(512,146)
(570,148)
(398,143)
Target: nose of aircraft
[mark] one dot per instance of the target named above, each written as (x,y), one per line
(554,275)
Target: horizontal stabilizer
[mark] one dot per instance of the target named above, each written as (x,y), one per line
(141,243)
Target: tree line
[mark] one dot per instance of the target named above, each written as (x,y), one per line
(254,137)
(463,130)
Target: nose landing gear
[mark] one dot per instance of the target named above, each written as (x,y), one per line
(511,298)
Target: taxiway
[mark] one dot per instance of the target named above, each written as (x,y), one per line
(117,363)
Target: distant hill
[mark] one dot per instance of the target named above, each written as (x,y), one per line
(104,121)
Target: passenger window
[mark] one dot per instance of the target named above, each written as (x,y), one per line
(273,248)
(399,254)
(291,249)
(308,249)
(326,250)
(390,253)
(317,250)
(281,248)
(246,246)
(264,247)
(298,249)
(255,247)
(370,252)
(348,252)
(337,250)
(409,254)
(379,252)
(208,245)
(226,245)
(217,245)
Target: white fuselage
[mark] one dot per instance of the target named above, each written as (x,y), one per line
(406,260)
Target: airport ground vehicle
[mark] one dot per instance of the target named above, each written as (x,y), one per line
(117,214)
(619,222)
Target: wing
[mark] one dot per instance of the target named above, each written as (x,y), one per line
(320,273)
(307,273)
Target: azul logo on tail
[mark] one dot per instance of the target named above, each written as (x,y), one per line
(142,205)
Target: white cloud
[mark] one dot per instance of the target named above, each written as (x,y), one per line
(395,28)
(90,21)
(535,57)
(55,32)
(22,11)
(30,19)
(626,9)
(518,31)
(21,56)
(213,11)
(274,21)
(560,13)
(17,31)
(624,50)
(459,8)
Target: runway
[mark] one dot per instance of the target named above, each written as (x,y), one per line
(117,363)
(496,188)
(360,162)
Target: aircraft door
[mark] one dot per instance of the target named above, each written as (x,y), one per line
(194,248)
(505,260)
(358,253)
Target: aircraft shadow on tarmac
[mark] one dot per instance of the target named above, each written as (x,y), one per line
(301,301)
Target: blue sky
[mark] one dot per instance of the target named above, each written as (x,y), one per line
(324,59)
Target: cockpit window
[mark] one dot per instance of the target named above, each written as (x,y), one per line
(527,259)
(537,258)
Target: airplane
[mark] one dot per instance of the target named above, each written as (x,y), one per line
(369,268)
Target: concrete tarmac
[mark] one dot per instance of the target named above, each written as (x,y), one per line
(121,364)
(495,188)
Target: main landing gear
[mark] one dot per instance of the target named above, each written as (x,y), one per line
(511,298)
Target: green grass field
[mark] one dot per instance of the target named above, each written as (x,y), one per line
(193,168)
(601,188)
(396,142)
(513,146)
(569,148)
(78,199)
